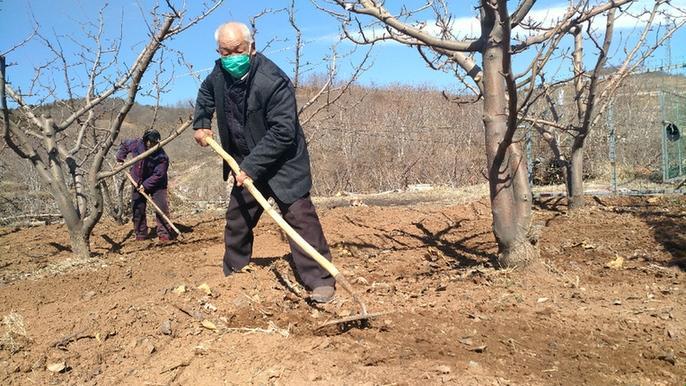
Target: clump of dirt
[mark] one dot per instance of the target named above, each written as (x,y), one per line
(605,305)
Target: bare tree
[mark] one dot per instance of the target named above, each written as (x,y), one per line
(325,91)
(68,141)
(494,81)
(594,89)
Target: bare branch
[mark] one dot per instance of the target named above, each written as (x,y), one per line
(374,9)
(185,125)
(177,14)
(353,78)
(568,22)
(298,43)
(627,67)
(6,113)
(21,43)
(198,18)
(520,13)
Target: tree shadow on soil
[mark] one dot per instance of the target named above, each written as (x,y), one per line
(466,251)
(264,261)
(203,222)
(114,245)
(59,247)
(556,204)
(669,229)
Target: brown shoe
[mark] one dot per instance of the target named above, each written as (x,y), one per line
(323,294)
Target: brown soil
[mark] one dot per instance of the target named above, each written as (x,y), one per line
(583,316)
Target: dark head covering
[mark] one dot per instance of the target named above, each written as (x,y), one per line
(151,136)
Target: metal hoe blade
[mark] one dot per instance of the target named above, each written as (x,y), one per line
(359,320)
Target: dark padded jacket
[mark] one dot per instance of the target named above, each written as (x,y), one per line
(151,171)
(276,142)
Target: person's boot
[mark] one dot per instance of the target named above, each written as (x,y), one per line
(322,294)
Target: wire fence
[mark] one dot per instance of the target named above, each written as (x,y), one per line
(636,145)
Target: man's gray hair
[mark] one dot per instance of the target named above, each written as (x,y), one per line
(247,35)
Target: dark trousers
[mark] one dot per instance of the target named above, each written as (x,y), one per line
(138,205)
(242,216)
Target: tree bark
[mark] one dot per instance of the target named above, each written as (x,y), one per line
(575,181)
(80,242)
(79,237)
(507,175)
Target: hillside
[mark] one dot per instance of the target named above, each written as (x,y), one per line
(380,139)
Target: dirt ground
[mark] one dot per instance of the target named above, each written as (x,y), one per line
(606,306)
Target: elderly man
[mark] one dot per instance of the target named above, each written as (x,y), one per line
(258,125)
(150,174)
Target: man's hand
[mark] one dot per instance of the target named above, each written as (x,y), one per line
(241,177)
(200,135)
(141,189)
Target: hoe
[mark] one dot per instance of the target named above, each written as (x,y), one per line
(361,319)
(157,208)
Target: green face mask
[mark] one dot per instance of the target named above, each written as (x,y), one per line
(236,65)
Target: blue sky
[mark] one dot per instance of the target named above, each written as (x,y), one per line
(391,63)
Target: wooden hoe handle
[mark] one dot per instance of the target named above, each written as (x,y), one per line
(248,183)
(157,208)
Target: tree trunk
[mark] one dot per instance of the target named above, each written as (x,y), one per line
(115,205)
(507,174)
(575,182)
(79,237)
(80,242)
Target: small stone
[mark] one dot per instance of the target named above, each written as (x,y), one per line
(149,347)
(205,288)
(617,263)
(443,369)
(89,295)
(208,325)
(313,376)
(200,350)
(57,367)
(180,289)
(165,327)
(467,341)
(668,357)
